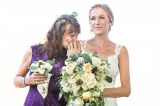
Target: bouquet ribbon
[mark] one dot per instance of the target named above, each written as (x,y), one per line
(43,88)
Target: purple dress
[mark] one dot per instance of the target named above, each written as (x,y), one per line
(34,98)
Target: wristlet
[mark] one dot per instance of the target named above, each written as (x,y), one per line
(24,81)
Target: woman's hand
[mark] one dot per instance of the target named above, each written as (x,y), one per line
(35,78)
(74,48)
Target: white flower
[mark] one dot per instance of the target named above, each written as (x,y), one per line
(85,75)
(79,102)
(70,68)
(96,61)
(91,76)
(101,85)
(66,89)
(87,67)
(96,94)
(48,66)
(87,95)
(76,76)
(80,59)
(91,83)
(84,86)
(75,88)
(82,81)
(41,70)
(71,80)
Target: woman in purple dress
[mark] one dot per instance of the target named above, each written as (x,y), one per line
(63,32)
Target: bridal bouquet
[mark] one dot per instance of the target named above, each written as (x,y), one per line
(83,79)
(43,68)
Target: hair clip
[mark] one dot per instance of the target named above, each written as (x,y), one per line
(62,21)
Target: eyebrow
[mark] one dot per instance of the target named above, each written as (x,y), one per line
(100,15)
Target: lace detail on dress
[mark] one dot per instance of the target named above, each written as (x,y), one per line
(118,48)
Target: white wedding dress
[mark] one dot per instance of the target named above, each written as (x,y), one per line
(113,61)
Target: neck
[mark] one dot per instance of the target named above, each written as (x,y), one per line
(101,41)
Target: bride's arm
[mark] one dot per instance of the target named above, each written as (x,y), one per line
(125,89)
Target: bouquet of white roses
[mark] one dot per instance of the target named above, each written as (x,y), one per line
(83,79)
(43,68)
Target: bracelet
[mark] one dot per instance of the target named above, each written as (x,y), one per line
(25,81)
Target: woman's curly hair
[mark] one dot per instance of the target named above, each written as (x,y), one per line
(53,45)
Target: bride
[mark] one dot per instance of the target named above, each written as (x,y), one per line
(101,19)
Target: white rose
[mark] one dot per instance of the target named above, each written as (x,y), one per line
(84,86)
(96,94)
(80,59)
(42,66)
(87,95)
(40,61)
(75,88)
(41,70)
(91,76)
(78,102)
(48,66)
(91,83)
(96,61)
(67,89)
(70,68)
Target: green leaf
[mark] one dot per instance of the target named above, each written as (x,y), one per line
(32,67)
(81,72)
(92,104)
(109,79)
(46,72)
(68,60)
(66,96)
(95,54)
(74,14)
(73,57)
(86,57)
(50,62)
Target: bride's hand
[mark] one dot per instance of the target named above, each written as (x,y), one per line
(74,48)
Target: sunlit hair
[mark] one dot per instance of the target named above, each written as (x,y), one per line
(107,9)
(53,45)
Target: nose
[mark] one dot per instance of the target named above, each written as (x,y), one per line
(97,21)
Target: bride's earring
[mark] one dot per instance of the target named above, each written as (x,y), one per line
(109,29)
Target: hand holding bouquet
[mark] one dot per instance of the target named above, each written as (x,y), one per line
(83,79)
(42,68)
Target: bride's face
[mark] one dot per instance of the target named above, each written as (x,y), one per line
(67,38)
(99,21)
